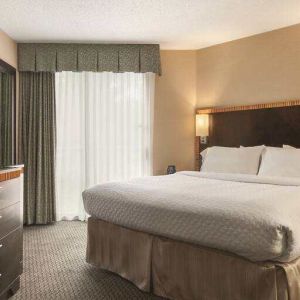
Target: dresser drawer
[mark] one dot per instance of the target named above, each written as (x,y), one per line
(10,257)
(10,192)
(10,219)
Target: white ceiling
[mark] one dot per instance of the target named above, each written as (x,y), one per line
(175,24)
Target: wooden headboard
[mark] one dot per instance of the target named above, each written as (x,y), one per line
(271,124)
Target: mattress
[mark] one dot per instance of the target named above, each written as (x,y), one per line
(254,217)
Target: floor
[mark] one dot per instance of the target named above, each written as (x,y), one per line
(55,267)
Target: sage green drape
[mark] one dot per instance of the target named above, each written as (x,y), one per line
(45,57)
(37,118)
(37,125)
(7,99)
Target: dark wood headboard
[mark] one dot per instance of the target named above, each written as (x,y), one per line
(271,124)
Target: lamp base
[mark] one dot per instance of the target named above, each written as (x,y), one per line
(203,140)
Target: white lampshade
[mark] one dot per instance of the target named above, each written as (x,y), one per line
(202,125)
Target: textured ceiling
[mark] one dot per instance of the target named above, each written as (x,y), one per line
(175,24)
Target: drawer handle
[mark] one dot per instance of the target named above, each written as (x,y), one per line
(1,245)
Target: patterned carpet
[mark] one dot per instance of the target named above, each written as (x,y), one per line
(55,268)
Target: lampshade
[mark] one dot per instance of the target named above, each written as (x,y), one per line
(202,125)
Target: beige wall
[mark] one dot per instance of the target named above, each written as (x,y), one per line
(175,100)
(261,68)
(8,49)
(257,69)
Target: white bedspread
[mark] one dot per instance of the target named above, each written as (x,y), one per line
(254,217)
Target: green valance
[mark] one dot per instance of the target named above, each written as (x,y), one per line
(89,57)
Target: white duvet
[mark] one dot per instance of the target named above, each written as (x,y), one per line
(252,216)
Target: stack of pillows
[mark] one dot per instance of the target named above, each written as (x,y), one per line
(258,160)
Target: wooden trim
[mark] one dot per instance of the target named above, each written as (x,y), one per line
(9,174)
(214,110)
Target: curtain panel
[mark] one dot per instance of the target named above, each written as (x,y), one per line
(7,88)
(37,64)
(104,133)
(38,140)
(116,58)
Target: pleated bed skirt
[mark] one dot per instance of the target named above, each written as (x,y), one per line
(179,270)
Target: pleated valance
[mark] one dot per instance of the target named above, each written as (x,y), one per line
(89,57)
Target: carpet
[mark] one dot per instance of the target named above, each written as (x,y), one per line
(55,267)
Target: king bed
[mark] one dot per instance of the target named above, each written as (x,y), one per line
(209,235)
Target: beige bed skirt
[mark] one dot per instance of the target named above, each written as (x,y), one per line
(178,270)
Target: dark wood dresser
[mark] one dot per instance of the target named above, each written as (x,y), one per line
(11,223)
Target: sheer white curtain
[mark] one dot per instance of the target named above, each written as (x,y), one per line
(104,132)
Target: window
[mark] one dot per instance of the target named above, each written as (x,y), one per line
(104,132)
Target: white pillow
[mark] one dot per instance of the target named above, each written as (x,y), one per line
(288,147)
(232,160)
(284,162)
(259,146)
(264,147)
(203,153)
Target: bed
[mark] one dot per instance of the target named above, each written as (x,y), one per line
(198,235)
